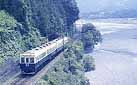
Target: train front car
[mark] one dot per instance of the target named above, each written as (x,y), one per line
(34,60)
(27,63)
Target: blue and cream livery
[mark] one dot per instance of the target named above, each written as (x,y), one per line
(33,60)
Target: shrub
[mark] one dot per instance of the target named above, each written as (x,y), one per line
(88,62)
(7,23)
(90,36)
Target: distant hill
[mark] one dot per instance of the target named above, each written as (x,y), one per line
(125,13)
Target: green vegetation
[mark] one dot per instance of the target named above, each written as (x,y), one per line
(7,23)
(90,36)
(89,63)
(1,59)
(50,18)
(78,45)
(25,24)
(69,70)
(12,41)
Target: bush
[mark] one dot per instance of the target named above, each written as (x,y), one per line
(7,23)
(90,36)
(89,63)
(68,70)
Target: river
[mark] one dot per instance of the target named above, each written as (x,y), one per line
(116,58)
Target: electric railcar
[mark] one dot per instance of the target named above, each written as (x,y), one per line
(34,60)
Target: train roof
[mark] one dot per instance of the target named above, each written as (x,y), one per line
(41,49)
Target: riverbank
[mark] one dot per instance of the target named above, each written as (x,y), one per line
(116,59)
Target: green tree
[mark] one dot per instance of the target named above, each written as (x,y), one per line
(88,63)
(90,36)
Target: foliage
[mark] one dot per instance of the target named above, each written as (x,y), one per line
(72,65)
(78,45)
(68,70)
(89,63)
(1,59)
(24,24)
(6,22)
(90,36)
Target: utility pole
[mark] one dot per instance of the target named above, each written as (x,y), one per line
(63,37)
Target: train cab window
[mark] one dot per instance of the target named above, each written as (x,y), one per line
(22,60)
(31,60)
(36,49)
(27,60)
(44,46)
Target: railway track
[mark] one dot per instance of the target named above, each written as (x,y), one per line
(32,80)
(20,80)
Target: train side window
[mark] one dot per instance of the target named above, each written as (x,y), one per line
(31,60)
(22,60)
(27,60)
(44,46)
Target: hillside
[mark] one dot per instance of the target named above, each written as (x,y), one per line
(25,24)
(75,61)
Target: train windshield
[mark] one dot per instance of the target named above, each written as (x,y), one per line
(22,60)
(31,60)
(27,60)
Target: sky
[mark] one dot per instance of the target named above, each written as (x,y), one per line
(95,5)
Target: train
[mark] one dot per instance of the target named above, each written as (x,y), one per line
(34,60)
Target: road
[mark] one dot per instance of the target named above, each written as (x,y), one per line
(116,59)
